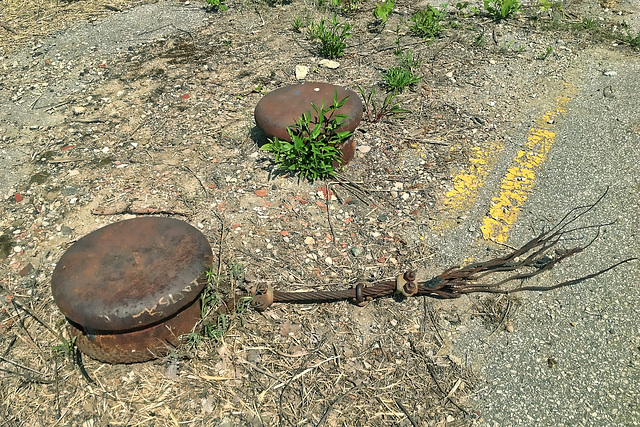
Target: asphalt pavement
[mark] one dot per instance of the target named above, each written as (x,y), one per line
(573,358)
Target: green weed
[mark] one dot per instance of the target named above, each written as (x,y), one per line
(383,10)
(296,25)
(332,37)
(427,23)
(210,300)
(217,5)
(396,79)
(66,348)
(314,145)
(462,7)
(627,37)
(502,9)
(480,40)
(544,55)
(374,112)
(587,24)
(343,6)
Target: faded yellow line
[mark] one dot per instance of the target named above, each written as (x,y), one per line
(467,183)
(519,179)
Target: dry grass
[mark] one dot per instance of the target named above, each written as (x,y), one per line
(384,364)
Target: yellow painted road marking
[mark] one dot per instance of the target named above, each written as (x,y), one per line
(467,183)
(519,179)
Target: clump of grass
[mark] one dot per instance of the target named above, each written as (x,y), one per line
(344,6)
(627,37)
(396,79)
(427,23)
(544,55)
(214,324)
(502,9)
(333,37)
(375,112)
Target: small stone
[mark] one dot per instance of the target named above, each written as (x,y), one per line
(610,73)
(364,148)
(329,64)
(328,260)
(26,270)
(301,72)
(261,193)
(356,251)
(17,249)
(309,241)
(78,110)
(492,61)
(398,185)
(74,172)
(405,196)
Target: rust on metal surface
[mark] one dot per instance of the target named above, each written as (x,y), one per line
(282,107)
(137,346)
(130,284)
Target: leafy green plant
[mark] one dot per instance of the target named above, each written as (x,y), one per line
(502,9)
(314,145)
(633,41)
(296,24)
(427,23)
(480,40)
(544,55)
(407,59)
(383,10)
(375,112)
(345,6)
(332,37)
(398,78)
(587,24)
(217,5)
(210,300)
(66,348)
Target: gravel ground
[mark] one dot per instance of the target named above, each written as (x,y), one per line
(151,108)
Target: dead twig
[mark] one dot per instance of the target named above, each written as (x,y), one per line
(406,412)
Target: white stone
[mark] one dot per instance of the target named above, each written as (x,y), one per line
(329,64)
(301,72)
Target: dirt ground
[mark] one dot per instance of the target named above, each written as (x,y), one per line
(169,125)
